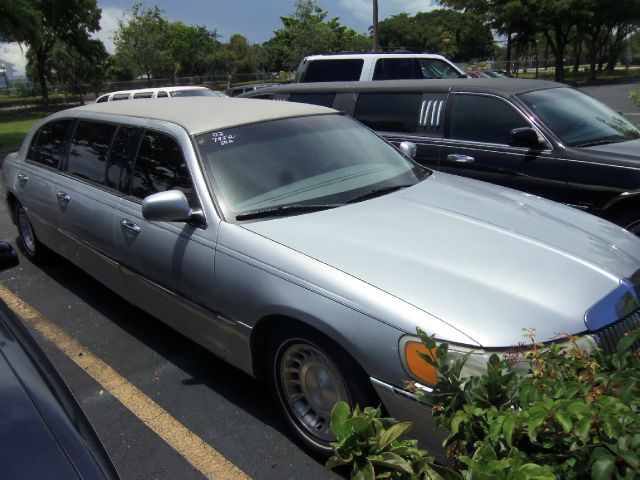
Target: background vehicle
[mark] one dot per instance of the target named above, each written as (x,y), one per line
(304,249)
(240,89)
(539,137)
(43,431)
(375,66)
(162,92)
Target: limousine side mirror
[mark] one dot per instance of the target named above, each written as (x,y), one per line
(169,206)
(8,257)
(409,149)
(525,137)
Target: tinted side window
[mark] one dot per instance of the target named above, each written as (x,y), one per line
(389,111)
(394,69)
(121,157)
(104,98)
(89,149)
(143,95)
(484,119)
(434,68)
(49,144)
(163,95)
(120,96)
(324,99)
(343,70)
(159,167)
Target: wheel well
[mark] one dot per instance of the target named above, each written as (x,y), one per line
(263,332)
(12,201)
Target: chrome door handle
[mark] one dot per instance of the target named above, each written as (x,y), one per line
(63,197)
(459,158)
(130,226)
(22,178)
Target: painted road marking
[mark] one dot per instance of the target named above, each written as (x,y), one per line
(193,448)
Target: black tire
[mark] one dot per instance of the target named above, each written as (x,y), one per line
(27,240)
(629,220)
(318,374)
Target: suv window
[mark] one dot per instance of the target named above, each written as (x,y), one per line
(89,149)
(323,99)
(396,112)
(481,118)
(49,144)
(339,70)
(394,69)
(159,166)
(434,68)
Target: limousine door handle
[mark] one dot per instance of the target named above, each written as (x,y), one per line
(130,226)
(63,197)
(22,178)
(459,158)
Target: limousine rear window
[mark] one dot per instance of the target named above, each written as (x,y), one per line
(120,96)
(49,144)
(391,112)
(339,70)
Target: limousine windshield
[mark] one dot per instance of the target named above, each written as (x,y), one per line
(578,119)
(301,164)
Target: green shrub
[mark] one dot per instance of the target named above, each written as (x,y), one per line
(635,96)
(573,416)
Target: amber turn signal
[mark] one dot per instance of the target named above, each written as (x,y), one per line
(417,365)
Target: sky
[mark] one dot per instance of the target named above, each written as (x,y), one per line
(255,19)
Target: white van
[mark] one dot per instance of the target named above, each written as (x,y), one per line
(162,92)
(375,66)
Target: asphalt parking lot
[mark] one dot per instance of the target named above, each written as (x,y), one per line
(205,408)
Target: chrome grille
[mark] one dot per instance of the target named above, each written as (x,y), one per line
(608,337)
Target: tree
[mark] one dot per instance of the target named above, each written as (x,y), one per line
(460,36)
(66,21)
(19,21)
(306,32)
(80,64)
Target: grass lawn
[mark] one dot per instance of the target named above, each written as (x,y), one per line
(14,127)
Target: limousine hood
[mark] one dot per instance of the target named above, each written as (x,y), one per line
(486,260)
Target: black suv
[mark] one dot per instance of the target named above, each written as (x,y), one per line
(539,137)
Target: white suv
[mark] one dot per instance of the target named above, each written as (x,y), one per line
(375,66)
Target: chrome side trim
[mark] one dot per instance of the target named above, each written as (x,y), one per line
(433,114)
(439,113)
(393,390)
(422,112)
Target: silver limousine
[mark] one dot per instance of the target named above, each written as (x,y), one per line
(302,248)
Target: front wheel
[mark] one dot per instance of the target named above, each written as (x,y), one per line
(309,375)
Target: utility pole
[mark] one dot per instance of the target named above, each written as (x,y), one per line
(376,35)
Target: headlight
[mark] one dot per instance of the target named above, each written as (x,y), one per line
(477,360)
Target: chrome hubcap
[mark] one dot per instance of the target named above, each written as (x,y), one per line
(26,232)
(311,385)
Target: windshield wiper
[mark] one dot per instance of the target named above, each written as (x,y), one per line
(604,141)
(284,211)
(377,192)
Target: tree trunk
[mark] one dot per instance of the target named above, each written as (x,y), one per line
(577,53)
(509,69)
(41,58)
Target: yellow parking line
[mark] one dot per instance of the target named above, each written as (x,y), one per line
(193,448)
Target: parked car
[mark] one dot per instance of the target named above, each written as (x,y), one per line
(43,431)
(162,92)
(303,248)
(540,137)
(375,66)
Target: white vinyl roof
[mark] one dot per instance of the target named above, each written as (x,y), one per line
(202,114)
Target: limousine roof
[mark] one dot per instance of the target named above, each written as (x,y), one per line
(202,114)
(500,86)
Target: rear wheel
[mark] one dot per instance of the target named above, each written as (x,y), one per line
(29,243)
(309,375)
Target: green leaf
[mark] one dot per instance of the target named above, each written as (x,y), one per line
(339,416)
(337,461)
(564,420)
(531,471)
(631,458)
(534,423)
(364,471)
(603,468)
(507,430)
(392,461)
(628,340)
(391,434)
(583,428)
